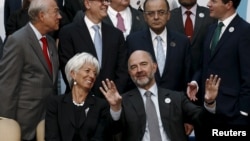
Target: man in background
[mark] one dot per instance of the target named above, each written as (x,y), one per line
(29,68)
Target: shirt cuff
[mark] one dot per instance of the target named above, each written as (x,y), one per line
(243,113)
(211,110)
(194,82)
(115,115)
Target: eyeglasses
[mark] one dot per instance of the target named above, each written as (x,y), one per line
(103,1)
(152,13)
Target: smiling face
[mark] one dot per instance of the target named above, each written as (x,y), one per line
(142,69)
(96,10)
(85,76)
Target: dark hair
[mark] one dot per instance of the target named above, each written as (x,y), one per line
(235,3)
(146,1)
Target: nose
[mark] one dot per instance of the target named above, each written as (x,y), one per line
(156,16)
(59,16)
(92,74)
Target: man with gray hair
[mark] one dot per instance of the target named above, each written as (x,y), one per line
(29,68)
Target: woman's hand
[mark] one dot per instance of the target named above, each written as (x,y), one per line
(111,94)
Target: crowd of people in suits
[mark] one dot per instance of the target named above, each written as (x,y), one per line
(110,53)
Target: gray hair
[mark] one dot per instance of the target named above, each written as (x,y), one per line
(77,61)
(35,7)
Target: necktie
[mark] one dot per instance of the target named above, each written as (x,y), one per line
(120,22)
(160,55)
(153,124)
(188,25)
(216,36)
(45,53)
(98,43)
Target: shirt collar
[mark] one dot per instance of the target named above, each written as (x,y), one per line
(193,9)
(89,23)
(163,35)
(37,33)
(114,12)
(153,90)
(228,20)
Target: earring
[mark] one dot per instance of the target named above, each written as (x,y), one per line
(75,83)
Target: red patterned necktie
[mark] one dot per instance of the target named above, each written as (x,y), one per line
(189,25)
(45,53)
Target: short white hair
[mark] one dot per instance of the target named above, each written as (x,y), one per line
(77,61)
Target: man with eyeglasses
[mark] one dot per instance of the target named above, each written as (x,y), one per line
(174,60)
(81,36)
(29,68)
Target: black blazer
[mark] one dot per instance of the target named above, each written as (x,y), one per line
(61,119)
(230,62)
(9,7)
(75,38)
(178,61)
(173,114)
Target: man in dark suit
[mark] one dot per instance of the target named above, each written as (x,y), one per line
(132,19)
(9,7)
(176,47)
(172,107)
(27,76)
(200,19)
(78,36)
(229,58)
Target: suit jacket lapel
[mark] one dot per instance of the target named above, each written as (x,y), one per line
(87,40)
(89,103)
(178,20)
(227,33)
(34,43)
(138,105)
(68,107)
(164,105)
(198,22)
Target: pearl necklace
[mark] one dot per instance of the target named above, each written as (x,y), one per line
(78,104)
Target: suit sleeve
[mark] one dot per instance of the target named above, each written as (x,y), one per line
(11,66)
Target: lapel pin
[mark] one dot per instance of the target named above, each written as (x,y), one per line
(137,18)
(231,29)
(167,100)
(138,2)
(172,44)
(201,15)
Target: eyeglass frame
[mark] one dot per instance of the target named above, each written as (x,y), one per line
(159,13)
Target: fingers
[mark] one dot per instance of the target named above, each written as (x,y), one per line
(213,80)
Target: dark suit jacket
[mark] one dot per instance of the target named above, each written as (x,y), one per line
(173,114)
(231,63)
(75,38)
(17,19)
(202,21)
(26,81)
(61,116)
(138,22)
(178,61)
(9,7)
(71,7)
